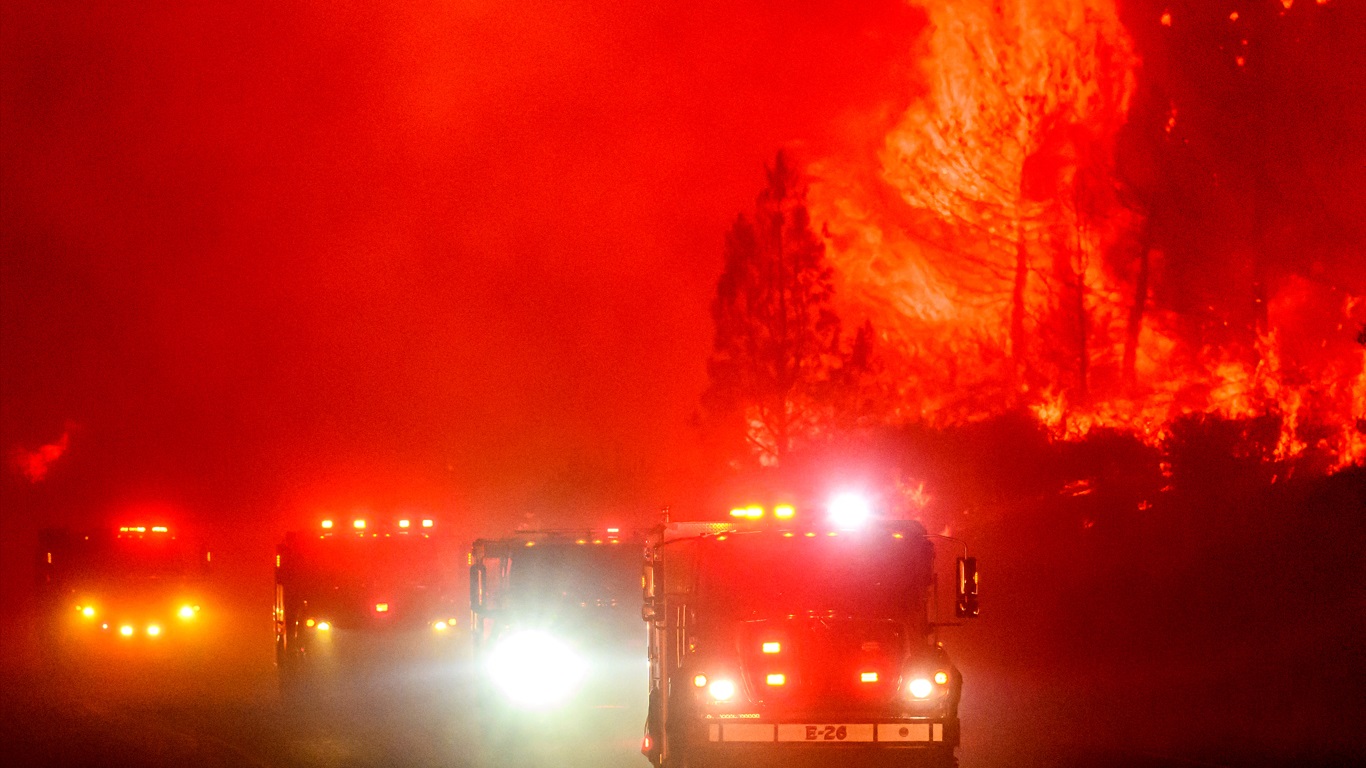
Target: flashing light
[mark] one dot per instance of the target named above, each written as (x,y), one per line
(309,623)
(159,529)
(535,670)
(186,611)
(327,525)
(359,524)
(381,607)
(88,611)
(772,647)
(324,626)
(404,523)
(126,630)
(849,511)
(440,626)
(921,688)
(427,523)
(867,677)
(153,630)
(941,677)
(721,690)
(699,681)
(784,511)
(776,679)
(754,512)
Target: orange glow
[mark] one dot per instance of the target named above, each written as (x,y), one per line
(941,677)
(867,677)
(358,524)
(427,523)
(1166,18)
(699,681)
(772,647)
(327,524)
(784,511)
(309,623)
(88,612)
(126,630)
(404,523)
(381,607)
(776,679)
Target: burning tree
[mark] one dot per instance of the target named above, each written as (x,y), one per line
(777,367)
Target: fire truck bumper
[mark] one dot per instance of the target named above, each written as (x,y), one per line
(852,744)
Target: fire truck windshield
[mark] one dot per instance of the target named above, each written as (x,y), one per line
(592,575)
(151,558)
(345,562)
(760,575)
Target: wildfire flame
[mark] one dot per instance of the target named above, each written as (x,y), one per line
(34,465)
(977,241)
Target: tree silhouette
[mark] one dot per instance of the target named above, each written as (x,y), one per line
(776,355)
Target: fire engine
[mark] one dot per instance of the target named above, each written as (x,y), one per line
(557,637)
(133,585)
(780,641)
(363,590)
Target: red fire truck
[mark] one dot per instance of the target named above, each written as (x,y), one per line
(352,592)
(557,638)
(132,585)
(780,640)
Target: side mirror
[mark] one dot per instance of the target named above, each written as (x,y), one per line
(477,587)
(966,606)
(647,588)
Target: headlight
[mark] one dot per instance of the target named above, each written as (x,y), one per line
(535,670)
(921,688)
(721,690)
(187,611)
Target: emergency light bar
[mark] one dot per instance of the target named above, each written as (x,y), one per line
(756,512)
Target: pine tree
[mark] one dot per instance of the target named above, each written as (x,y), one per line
(777,352)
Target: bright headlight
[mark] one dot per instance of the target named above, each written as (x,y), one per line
(921,688)
(721,690)
(535,670)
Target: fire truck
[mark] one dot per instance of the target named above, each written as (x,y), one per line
(778,640)
(132,585)
(557,637)
(353,594)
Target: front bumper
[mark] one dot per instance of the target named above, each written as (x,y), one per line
(894,733)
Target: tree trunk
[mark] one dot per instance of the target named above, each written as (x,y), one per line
(1136,310)
(1017,302)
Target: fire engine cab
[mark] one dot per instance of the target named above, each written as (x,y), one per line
(557,638)
(359,591)
(131,585)
(781,640)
